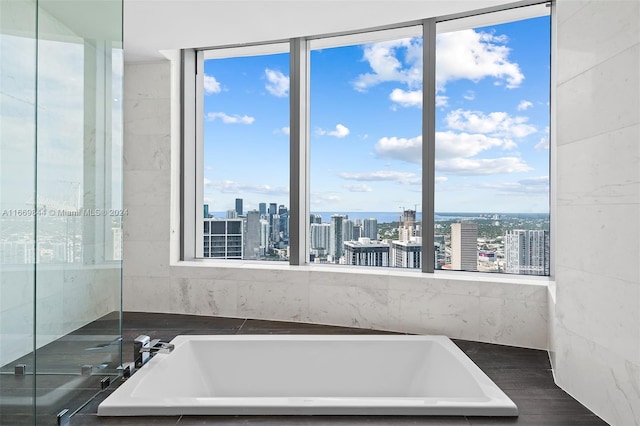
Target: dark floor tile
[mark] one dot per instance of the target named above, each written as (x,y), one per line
(324,420)
(93,419)
(274,327)
(539,420)
(154,321)
(12,419)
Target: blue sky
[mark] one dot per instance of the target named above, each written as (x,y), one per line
(491,124)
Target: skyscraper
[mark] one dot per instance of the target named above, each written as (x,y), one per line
(223,238)
(526,252)
(347,230)
(320,236)
(464,246)
(252,235)
(370,228)
(336,237)
(262,208)
(239,206)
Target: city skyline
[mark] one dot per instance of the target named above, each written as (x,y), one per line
(491,135)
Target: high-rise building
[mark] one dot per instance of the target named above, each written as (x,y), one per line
(464,246)
(365,252)
(526,252)
(273,208)
(252,235)
(320,236)
(275,228)
(336,237)
(223,238)
(262,208)
(264,236)
(370,229)
(315,218)
(357,230)
(347,230)
(232,214)
(239,206)
(409,218)
(407,254)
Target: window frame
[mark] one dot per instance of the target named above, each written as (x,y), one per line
(192,121)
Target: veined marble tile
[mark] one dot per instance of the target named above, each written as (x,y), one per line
(528,292)
(514,322)
(425,312)
(147,152)
(604,382)
(581,48)
(605,309)
(204,297)
(587,235)
(277,301)
(351,306)
(600,100)
(567,8)
(350,277)
(145,259)
(600,170)
(144,117)
(145,188)
(466,284)
(147,80)
(140,224)
(146,294)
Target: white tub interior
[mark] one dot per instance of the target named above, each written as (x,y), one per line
(266,374)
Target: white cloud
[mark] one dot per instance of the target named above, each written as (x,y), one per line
(385,65)
(524,105)
(544,141)
(442,101)
(469,95)
(361,187)
(474,55)
(403,149)
(482,166)
(231,187)
(277,83)
(460,145)
(230,119)
(211,85)
(407,178)
(282,131)
(340,132)
(407,98)
(441,179)
(498,124)
(535,185)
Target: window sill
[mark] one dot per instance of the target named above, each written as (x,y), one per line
(459,276)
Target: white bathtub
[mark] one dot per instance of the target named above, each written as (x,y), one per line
(309,375)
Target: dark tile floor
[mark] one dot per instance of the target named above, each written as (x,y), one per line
(523,374)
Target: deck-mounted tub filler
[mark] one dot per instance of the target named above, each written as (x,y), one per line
(309,375)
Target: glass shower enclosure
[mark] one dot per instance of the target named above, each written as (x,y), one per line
(60,205)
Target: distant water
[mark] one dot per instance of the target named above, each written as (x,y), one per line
(387,217)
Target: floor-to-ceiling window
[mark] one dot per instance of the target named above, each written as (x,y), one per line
(369,174)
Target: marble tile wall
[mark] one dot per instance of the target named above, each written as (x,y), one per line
(596,325)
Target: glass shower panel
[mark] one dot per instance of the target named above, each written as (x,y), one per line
(17,208)
(78,284)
